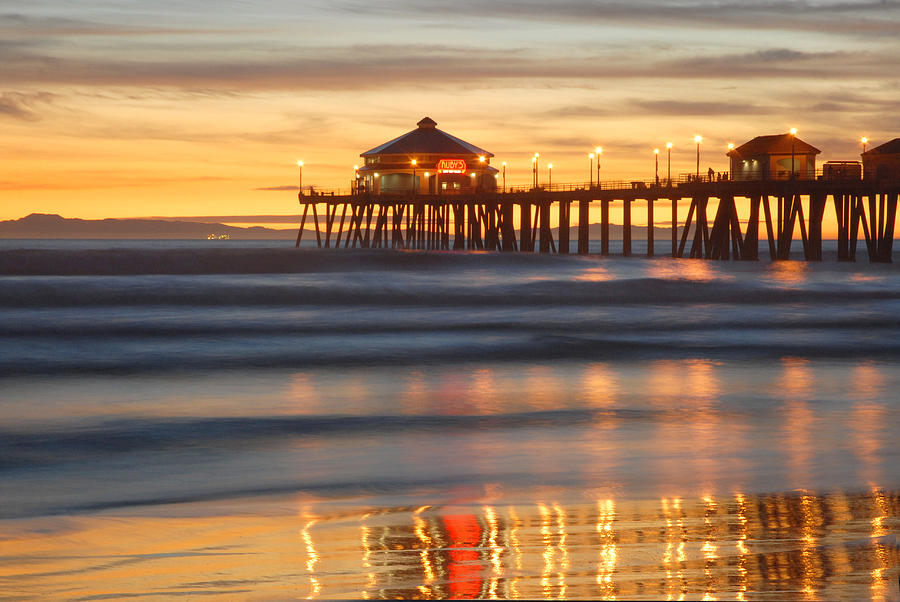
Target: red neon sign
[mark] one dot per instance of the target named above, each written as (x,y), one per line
(451,166)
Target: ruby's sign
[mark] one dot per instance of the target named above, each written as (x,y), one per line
(451,166)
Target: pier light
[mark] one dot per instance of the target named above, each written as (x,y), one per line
(698,139)
(300,180)
(793,138)
(599,151)
(591,169)
(504,176)
(550,175)
(656,166)
(864,141)
(414,162)
(669,163)
(427,174)
(731,146)
(481,159)
(376,174)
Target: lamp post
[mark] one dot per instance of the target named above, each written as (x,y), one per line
(656,166)
(504,176)
(355,179)
(549,176)
(414,187)
(534,169)
(599,151)
(864,141)
(668,163)
(728,154)
(793,138)
(300,167)
(591,170)
(427,187)
(698,139)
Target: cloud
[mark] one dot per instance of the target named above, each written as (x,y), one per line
(278,188)
(688,108)
(22,105)
(843,17)
(415,65)
(14,24)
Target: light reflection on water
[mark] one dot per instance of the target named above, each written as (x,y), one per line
(659,496)
(797,545)
(716,547)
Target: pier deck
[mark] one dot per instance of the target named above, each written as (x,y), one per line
(487,221)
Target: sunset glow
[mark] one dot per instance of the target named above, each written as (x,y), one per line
(113,110)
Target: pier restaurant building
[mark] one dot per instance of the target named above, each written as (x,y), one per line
(426,161)
(883,162)
(777,157)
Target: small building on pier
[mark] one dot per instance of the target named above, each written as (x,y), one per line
(777,157)
(427,161)
(882,162)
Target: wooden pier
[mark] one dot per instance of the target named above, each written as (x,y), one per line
(486,221)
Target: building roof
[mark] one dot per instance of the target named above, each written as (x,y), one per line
(424,140)
(888,148)
(779,144)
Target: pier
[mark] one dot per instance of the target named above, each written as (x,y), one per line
(519,220)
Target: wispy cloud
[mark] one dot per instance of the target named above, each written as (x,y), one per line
(22,105)
(842,17)
(368,67)
(278,188)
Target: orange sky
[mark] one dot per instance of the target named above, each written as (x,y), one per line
(166,109)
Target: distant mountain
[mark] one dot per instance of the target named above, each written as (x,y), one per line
(42,225)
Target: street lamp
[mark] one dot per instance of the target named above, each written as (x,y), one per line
(300,167)
(591,170)
(864,141)
(669,163)
(414,163)
(504,176)
(730,148)
(698,139)
(656,166)
(599,151)
(793,138)
(356,178)
(536,165)
(549,176)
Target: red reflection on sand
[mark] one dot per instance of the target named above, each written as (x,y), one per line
(464,567)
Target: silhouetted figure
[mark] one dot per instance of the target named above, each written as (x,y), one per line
(710,174)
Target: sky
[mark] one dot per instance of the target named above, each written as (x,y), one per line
(125,108)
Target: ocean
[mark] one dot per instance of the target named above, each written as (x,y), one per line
(249,421)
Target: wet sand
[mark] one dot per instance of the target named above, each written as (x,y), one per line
(490,544)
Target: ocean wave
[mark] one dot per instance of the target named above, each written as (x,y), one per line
(136,261)
(62,445)
(148,291)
